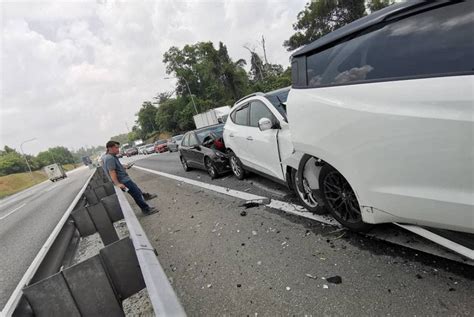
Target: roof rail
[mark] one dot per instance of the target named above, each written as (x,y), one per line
(248,96)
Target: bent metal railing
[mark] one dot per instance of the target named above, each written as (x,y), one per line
(98,285)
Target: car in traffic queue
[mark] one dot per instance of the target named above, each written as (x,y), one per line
(149,149)
(131,152)
(173,143)
(257,137)
(384,110)
(204,149)
(141,149)
(161,146)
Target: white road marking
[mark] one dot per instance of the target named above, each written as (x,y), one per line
(219,189)
(17,208)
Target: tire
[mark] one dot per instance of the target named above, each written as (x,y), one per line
(340,199)
(236,166)
(307,198)
(185,164)
(210,168)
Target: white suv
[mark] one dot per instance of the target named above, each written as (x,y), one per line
(384,107)
(257,138)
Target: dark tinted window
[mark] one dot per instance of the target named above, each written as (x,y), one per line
(278,99)
(217,130)
(241,115)
(439,41)
(258,111)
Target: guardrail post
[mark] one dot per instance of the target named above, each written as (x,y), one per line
(112,207)
(51,297)
(103,223)
(90,287)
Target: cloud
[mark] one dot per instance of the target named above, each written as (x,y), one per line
(73,73)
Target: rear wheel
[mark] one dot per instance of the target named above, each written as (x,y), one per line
(340,199)
(185,164)
(236,166)
(306,196)
(210,168)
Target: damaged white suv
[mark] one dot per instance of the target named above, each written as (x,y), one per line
(382,110)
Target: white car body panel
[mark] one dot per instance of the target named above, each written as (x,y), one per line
(406,147)
(260,153)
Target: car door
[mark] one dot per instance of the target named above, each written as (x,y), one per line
(262,145)
(237,132)
(194,150)
(184,150)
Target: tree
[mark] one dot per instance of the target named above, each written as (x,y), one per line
(58,154)
(324,16)
(146,119)
(11,161)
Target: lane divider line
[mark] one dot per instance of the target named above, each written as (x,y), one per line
(11,212)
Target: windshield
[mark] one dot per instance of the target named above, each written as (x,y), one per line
(201,134)
(160,142)
(178,137)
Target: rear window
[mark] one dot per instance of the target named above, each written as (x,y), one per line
(434,42)
(201,134)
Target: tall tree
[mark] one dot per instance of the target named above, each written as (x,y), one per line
(146,118)
(324,16)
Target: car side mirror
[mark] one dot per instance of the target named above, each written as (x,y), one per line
(196,147)
(265,124)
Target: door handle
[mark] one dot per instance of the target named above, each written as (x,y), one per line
(231,135)
(249,138)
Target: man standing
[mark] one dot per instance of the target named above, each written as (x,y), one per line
(116,172)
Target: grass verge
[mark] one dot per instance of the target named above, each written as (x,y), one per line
(14,183)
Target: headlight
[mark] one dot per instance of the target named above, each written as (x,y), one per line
(220,154)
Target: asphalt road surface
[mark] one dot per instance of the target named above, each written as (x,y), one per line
(271,263)
(26,221)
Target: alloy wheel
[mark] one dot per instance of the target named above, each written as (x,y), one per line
(235,166)
(341,198)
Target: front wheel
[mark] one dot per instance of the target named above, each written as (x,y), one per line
(306,196)
(236,166)
(210,168)
(340,199)
(185,164)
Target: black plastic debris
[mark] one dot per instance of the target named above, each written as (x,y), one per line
(452,289)
(334,279)
(250,204)
(418,276)
(243,213)
(239,285)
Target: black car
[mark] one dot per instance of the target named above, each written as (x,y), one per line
(204,149)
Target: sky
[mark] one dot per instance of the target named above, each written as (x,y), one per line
(75,73)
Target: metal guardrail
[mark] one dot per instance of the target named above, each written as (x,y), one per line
(98,285)
(162,296)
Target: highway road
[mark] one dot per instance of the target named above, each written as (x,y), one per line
(270,263)
(26,221)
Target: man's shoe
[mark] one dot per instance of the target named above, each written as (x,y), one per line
(149,196)
(151,211)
